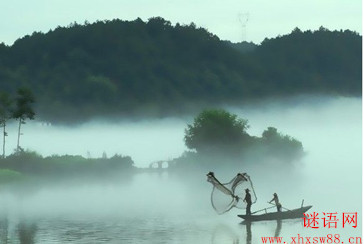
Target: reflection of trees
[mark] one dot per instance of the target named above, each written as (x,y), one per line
(224,234)
(26,232)
(4,229)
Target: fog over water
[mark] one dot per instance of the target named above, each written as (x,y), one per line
(168,208)
(144,141)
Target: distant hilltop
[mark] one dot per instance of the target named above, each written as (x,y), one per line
(136,68)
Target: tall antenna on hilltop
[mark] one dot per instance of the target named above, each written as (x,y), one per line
(243,19)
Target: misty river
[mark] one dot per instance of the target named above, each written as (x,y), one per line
(160,207)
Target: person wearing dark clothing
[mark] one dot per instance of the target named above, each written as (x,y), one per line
(248,200)
(276,201)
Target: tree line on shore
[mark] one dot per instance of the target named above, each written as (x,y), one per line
(135,68)
(19,108)
(216,138)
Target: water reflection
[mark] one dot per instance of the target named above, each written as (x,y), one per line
(248,228)
(224,234)
(278,228)
(26,232)
(4,230)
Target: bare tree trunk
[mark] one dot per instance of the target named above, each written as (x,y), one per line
(17,147)
(4,135)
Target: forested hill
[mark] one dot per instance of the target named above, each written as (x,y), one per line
(115,68)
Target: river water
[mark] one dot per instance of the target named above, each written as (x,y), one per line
(161,207)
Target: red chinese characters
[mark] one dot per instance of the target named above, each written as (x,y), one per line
(350,219)
(330,220)
(311,220)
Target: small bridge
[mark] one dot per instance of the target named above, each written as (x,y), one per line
(161,165)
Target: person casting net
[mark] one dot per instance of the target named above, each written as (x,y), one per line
(225,196)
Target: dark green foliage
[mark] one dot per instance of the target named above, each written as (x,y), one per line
(5,115)
(24,162)
(10,176)
(217,130)
(5,107)
(31,163)
(23,109)
(243,47)
(220,137)
(280,146)
(113,68)
(24,102)
(318,61)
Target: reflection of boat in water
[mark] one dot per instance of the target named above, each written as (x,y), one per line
(248,225)
(289,214)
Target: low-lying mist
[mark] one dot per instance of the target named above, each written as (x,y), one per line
(328,176)
(145,141)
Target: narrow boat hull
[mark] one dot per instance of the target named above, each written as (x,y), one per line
(290,214)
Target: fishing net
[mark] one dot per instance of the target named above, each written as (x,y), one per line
(225,196)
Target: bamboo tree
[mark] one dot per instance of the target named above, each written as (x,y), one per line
(23,109)
(5,115)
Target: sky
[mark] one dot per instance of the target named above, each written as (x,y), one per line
(234,20)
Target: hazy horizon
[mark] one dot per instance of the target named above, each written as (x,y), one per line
(148,140)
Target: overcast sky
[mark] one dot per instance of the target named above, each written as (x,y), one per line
(235,20)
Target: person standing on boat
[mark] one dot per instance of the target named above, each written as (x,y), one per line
(248,200)
(276,201)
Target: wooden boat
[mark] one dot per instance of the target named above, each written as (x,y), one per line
(289,214)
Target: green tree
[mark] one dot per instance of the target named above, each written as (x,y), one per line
(5,114)
(23,109)
(281,146)
(106,67)
(217,131)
